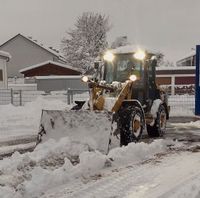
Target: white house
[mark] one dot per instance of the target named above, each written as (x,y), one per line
(188,60)
(25,52)
(4,58)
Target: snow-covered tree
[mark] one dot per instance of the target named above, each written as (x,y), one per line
(119,41)
(160,58)
(162,61)
(86,41)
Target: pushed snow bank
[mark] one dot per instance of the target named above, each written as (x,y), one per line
(134,153)
(195,124)
(56,163)
(24,120)
(92,128)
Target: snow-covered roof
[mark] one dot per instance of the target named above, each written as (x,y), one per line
(191,54)
(5,54)
(54,52)
(131,49)
(176,68)
(49,62)
(58,77)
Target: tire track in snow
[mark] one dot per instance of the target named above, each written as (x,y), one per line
(113,185)
(192,182)
(21,144)
(159,178)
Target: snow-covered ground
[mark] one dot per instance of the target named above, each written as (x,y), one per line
(68,168)
(24,120)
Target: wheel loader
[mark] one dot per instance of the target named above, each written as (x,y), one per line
(122,93)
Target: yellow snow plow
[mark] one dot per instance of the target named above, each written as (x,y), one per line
(123,91)
(86,127)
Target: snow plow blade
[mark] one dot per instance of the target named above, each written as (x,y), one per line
(87,127)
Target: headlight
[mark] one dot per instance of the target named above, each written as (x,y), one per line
(85,79)
(140,55)
(108,56)
(133,78)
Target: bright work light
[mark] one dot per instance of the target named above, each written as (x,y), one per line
(108,56)
(85,79)
(140,55)
(133,77)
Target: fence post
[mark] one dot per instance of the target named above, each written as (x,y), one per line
(173,85)
(11,96)
(20,97)
(68,96)
(72,98)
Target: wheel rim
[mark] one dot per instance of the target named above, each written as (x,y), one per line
(136,125)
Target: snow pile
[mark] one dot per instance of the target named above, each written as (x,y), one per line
(55,163)
(92,128)
(41,103)
(23,120)
(137,152)
(52,158)
(195,124)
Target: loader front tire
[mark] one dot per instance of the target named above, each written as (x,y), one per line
(131,124)
(159,127)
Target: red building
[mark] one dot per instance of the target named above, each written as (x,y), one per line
(49,68)
(176,79)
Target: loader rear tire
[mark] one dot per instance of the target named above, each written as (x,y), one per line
(159,127)
(131,124)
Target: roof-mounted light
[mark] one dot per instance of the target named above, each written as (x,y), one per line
(140,55)
(108,56)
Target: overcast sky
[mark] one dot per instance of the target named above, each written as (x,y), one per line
(169,26)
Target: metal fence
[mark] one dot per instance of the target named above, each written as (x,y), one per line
(179,89)
(181,103)
(181,99)
(20,97)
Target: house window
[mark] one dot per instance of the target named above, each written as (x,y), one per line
(1,75)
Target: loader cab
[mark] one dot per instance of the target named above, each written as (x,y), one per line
(123,66)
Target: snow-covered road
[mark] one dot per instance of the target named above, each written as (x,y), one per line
(166,167)
(172,175)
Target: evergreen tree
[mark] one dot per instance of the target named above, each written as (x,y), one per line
(86,41)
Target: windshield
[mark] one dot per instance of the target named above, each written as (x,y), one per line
(121,68)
